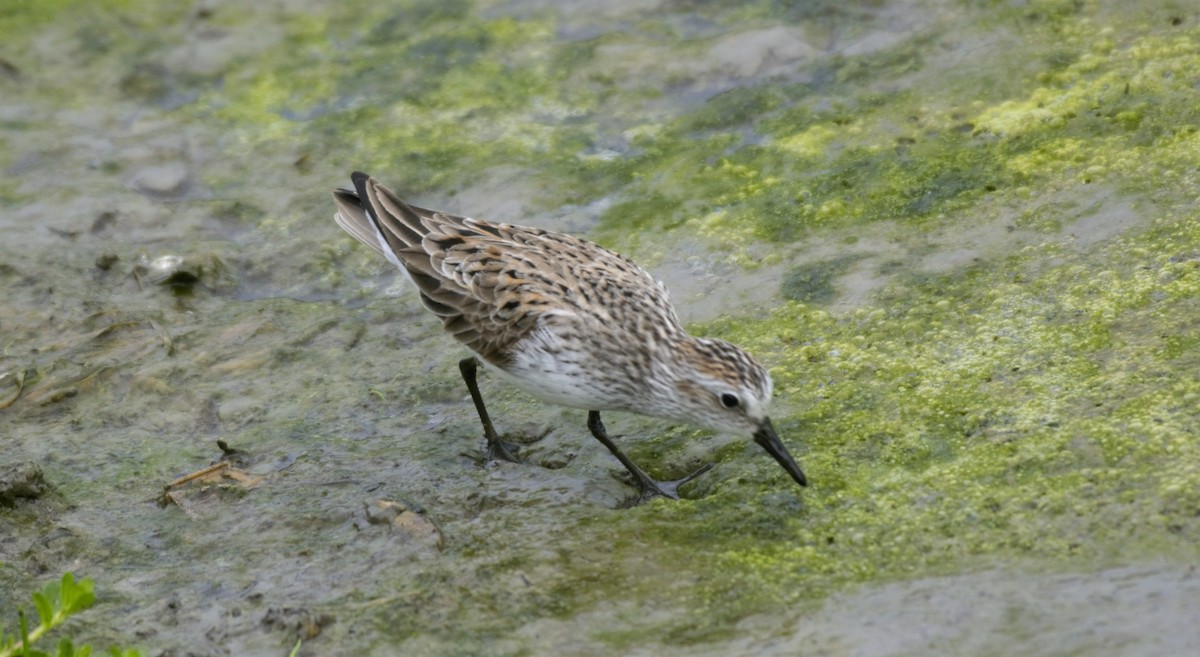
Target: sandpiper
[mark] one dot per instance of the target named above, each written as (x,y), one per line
(566,320)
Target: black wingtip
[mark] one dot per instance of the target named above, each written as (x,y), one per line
(360,185)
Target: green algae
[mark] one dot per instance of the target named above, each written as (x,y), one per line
(813,283)
(445,88)
(1090,124)
(983,417)
(19,19)
(454,94)
(1029,412)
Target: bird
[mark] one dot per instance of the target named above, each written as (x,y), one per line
(567,321)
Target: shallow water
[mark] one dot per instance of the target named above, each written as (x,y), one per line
(1040,502)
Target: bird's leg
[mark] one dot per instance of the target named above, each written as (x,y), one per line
(649,487)
(496,449)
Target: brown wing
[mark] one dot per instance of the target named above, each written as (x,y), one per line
(493,284)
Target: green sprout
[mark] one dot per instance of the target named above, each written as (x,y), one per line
(55,603)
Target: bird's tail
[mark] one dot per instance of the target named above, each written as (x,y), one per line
(376,217)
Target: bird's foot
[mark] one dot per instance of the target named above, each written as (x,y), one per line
(495,452)
(508,446)
(649,488)
(502,450)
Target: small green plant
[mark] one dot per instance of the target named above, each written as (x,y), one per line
(55,603)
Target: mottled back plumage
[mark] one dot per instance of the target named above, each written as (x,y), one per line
(491,283)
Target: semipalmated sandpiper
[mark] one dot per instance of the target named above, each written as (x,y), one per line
(567,321)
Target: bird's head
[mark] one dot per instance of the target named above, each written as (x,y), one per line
(725,389)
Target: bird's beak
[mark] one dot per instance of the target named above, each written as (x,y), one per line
(766,437)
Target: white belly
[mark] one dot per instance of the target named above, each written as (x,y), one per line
(556,371)
(554,387)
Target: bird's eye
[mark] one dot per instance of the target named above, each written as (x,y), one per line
(729,400)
